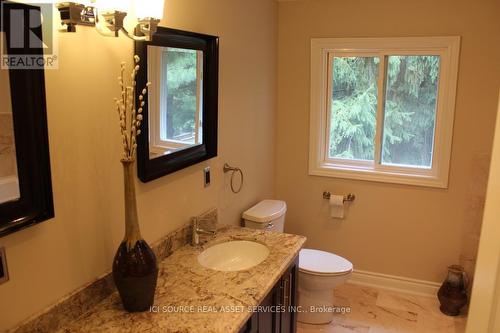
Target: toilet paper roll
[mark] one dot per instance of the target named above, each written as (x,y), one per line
(337,206)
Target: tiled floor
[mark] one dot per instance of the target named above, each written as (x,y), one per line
(382,311)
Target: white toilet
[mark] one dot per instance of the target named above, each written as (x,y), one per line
(319,271)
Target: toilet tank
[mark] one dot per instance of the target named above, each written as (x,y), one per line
(267,214)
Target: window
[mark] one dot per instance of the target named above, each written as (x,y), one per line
(176,94)
(382,108)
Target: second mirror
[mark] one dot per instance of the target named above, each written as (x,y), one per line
(179,126)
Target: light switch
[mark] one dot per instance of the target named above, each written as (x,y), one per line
(206,174)
(4,275)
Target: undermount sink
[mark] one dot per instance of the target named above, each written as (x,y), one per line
(233,256)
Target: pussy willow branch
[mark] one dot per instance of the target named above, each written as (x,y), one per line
(130,117)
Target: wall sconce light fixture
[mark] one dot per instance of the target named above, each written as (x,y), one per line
(107,16)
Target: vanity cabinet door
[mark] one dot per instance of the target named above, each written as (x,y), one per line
(289,285)
(270,320)
(279,302)
(266,321)
(252,325)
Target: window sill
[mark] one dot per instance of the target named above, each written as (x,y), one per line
(327,170)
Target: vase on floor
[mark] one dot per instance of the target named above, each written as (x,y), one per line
(452,295)
(135,270)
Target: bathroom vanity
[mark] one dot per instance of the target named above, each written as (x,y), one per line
(277,315)
(191,297)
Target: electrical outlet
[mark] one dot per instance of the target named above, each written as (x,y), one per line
(206,174)
(4,275)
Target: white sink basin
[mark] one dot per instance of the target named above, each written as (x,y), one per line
(233,256)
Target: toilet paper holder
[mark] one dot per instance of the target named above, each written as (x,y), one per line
(347,198)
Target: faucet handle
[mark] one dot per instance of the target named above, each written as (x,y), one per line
(195,239)
(196,231)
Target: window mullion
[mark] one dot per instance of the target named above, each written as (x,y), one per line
(199,87)
(163,94)
(379,121)
(328,104)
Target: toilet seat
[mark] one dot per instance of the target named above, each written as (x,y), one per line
(321,263)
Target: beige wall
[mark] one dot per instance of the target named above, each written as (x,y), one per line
(7,151)
(484,313)
(393,229)
(5,107)
(50,260)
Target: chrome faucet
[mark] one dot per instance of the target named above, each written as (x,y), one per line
(197,231)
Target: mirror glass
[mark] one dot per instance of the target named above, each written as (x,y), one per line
(175,101)
(9,183)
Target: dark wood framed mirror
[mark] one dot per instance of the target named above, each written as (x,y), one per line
(25,181)
(179,126)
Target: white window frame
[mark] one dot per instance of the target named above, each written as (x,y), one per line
(322,51)
(158,101)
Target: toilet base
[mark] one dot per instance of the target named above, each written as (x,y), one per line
(316,307)
(315,297)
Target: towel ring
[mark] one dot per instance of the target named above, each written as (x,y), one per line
(233,170)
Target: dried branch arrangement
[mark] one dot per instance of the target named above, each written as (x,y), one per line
(130,116)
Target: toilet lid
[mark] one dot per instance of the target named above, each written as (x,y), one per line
(265,211)
(323,263)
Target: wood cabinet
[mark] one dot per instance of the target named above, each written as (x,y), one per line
(275,314)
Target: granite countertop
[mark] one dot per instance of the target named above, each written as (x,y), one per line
(191,298)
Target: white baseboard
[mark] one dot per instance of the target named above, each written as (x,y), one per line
(395,283)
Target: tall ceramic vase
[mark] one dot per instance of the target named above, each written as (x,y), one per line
(135,270)
(452,294)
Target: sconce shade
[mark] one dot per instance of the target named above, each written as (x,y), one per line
(149,9)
